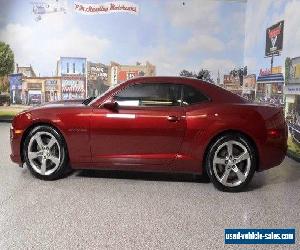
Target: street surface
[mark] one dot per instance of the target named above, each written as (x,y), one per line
(112,210)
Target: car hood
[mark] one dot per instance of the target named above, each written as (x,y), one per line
(58,104)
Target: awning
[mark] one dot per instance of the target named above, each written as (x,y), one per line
(72,89)
(271,78)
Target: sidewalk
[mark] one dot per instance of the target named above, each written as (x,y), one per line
(7,113)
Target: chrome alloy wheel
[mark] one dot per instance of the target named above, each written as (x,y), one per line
(44,153)
(231,163)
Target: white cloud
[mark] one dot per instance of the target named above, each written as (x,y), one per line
(200,42)
(291,39)
(256,18)
(42,44)
(202,15)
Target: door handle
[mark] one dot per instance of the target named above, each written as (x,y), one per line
(173,118)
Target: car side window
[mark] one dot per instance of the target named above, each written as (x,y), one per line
(192,95)
(147,94)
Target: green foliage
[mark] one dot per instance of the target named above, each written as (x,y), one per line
(203,74)
(288,64)
(240,72)
(187,73)
(6,59)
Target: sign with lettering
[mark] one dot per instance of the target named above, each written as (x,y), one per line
(106,8)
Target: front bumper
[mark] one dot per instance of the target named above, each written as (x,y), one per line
(15,144)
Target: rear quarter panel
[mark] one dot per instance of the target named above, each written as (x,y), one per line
(208,120)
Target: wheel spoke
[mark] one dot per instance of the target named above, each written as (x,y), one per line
(229,146)
(239,173)
(39,141)
(54,159)
(51,142)
(242,157)
(225,176)
(34,155)
(218,160)
(43,166)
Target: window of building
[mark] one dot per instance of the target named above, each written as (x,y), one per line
(83,68)
(68,69)
(74,68)
(164,94)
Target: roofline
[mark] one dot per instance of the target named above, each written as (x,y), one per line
(73,57)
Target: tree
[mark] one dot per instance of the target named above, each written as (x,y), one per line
(187,73)
(6,65)
(205,75)
(240,72)
(6,59)
(288,64)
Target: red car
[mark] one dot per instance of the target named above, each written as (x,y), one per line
(169,124)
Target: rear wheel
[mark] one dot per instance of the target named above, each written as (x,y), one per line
(45,153)
(231,162)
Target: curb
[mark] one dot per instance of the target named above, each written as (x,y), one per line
(293,156)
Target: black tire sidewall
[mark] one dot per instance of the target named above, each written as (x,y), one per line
(210,155)
(61,170)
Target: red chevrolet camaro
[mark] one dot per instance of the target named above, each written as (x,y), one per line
(169,124)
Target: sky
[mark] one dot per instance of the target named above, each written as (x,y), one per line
(173,36)
(261,14)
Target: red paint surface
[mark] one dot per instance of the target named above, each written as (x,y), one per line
(149,142)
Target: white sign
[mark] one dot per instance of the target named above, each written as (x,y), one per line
(106,8)
(292,90)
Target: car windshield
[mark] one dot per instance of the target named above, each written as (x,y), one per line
(92,99)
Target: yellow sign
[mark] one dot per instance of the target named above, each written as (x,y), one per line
(297,70)
(276,70)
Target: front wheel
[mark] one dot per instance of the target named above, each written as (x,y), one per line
(231,162)
(45,153)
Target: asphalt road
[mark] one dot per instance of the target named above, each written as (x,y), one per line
(111,210)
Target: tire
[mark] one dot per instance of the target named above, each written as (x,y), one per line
(45,153)
(231,172)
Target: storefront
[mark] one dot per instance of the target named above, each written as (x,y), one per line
(269,88)
(33,95)
(51,90)
(73,87)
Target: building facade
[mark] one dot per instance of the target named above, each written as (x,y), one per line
(37,90)
(97,78)
(292,89)
(232,83)
(73,73)
(269,87)
(249,87)
(119,73)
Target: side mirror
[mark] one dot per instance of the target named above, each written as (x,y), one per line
(113,106)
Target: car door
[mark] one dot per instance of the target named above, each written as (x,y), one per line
(146,130)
